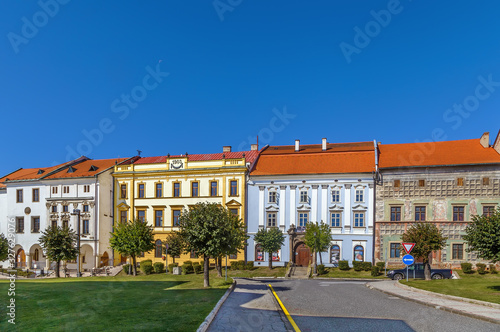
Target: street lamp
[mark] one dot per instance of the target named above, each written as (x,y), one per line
(76,212)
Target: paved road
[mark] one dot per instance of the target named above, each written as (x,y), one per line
(324,305)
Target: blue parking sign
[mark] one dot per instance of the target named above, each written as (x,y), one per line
(408,259)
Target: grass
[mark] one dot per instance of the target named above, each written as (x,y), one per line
(335,272)
(154,303)
(473,286)
(277,271)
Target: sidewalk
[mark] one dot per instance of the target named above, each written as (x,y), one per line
(467,307)
(250,307)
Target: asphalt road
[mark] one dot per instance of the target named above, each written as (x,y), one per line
(324,305)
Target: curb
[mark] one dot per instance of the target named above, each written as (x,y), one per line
(211,316)
(444,308)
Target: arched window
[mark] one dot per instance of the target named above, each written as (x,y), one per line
(334,254)
(359,253)
(158,249)
(35,255)
(259,253)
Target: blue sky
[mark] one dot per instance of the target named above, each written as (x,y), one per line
(104,79)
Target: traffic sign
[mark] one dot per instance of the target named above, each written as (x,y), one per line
(408,259)
(408,247)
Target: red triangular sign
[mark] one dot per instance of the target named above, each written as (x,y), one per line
(408,247)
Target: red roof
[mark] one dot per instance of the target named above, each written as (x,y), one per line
(463,152)
(87,168)
(249,156)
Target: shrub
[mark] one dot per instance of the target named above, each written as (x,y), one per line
(344,265)
(187,268)
(321,269)
(481,268)
(126,267)
(146,267)
(171,267)
(241,265)
(466,267)
(375,271)
(367,266)
(493,269)
(357,266)
(147,261)
(381,265)
(249,265)
(234,265)
(188,262)
(158,267)
(197,268)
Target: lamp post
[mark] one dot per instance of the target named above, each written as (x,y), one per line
(76,212)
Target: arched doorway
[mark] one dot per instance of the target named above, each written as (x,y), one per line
(20,258)
(302,254)
(104,259)
(123,259)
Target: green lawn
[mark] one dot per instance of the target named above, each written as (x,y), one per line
(257,272)
(474,286)
(122,303)
(335,272)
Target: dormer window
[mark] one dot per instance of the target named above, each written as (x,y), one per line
(71,169)
(93,168)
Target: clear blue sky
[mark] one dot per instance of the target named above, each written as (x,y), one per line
(229,67)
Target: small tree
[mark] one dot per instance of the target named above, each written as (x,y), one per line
(175,245)
(427,238)
(59,243)
(483,236)
(271,240)
(132,239)
(4,248)
(318,238)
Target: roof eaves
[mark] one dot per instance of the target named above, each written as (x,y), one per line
(442,165)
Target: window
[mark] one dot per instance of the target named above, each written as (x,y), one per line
(65,224)
(397,183)
(335,219)
(421,183)
(54,190)
(303,196)
(35,224)
(36,255)
(486,181)
(65,208)
(419,213)
(35,197)
(19,195)
(86,188)
(395,213)
(359,253)
(271,219)
(54,208)
(259,253)
(193,254)
(141,215)
(194,189)
(86,208)
(335,196)
(335,254)
(158,249)
(272,197)
(141,190)
(359,195)
(213,188)
(54,223)
(123,216)
(20,225)
(233,256)
(458,213)
(359,219)
(457,251)
(488,210)
(177,189)
(85,226)
(460,182)
(175,217)
(276,256)
(123,191)
(158,218)
(65,189)
(159,190)
(233,185)
(234,211)
(395,250)
(303,218)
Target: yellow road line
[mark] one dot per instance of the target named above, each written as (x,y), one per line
(295,327)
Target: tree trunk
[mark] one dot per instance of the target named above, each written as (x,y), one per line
(134,263)
(173,259)
(219,266)
(320,259)
(427,269)
(270,261)
(315,263)
(58,264)
(206,265)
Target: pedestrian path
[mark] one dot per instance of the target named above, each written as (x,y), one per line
(486,311)
(300,272)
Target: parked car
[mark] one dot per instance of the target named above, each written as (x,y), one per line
(416,271)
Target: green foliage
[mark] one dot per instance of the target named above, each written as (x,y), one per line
(375,271)
(176,245)
(493,269)
(358,266)
(146,267)
(344,265)
(483,236)
(481,268)
(249,265)
(366,266)
(427,238)
(318,237)
(126,268)
(158,267)
(321,269)
(4,247)
(271,240)
(147,261)
(466,268)
(241,265)
(197,268)
(171,267)
(187,268)
(381,265)
(59,244)
(235,266)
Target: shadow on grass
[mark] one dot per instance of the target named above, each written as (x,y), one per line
(495,288)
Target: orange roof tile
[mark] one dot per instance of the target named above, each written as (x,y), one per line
(463,152)
(250,156)
(87,168)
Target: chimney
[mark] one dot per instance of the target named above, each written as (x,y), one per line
(485,140)
(254,147)
(496,144)
(297,145)
(226,148)
(323,144)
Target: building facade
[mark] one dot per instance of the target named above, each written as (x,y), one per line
(292,185)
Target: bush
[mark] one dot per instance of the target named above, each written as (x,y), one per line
(367,266)
(197,268)
(235,265)
(147,261)
(493,269)
(466,268)
(249,265)
(126,267)
(241,265)
(187,268)
(146,267)
(158,267)
(357,265)
(344,265)
(171,267)
(481,268)
(188,262)
(375,271)
(381,265)
(321,269)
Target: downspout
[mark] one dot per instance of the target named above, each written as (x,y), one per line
(374,207)
(96,216)
(113,217)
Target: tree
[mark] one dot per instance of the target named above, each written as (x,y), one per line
(427,238)
(271,240)
(175,245)
(132,239)
(483,236)
(59,243)
(211,231)
(4,248)
(318,238)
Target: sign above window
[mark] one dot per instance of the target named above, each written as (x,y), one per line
(177,164)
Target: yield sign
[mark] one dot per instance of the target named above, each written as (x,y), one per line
(408,247)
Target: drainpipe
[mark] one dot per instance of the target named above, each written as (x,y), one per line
(375,146)
(96,216)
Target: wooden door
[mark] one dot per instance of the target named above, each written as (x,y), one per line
(303,255)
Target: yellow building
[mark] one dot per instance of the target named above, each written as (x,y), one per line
(157,189)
